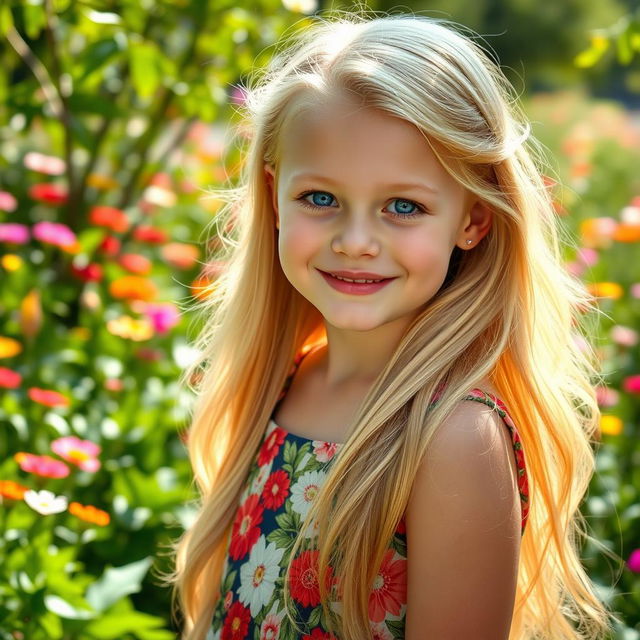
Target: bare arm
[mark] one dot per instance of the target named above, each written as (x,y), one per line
(463,531)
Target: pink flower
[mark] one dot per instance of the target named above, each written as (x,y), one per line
(624,336)
(587,256)
(41,465)
(79,452)
(9,379)
(14,233)
(163,316)
(238,95)
(7,202)
(324,451)
(44,164)
(632,384)
(634,561)
(606,397)
(635,290)
(54,233)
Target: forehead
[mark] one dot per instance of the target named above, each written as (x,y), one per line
(341,137)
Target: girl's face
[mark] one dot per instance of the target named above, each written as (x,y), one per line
(361,191)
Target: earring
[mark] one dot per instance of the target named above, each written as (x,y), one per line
(469,241)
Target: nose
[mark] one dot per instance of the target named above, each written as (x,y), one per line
(356,236)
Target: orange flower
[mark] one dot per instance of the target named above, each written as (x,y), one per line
(12,490)
(100,181)
(611,425)
(30,318)
(48,397)
(89,513)
(9,347)
(110,217)
(202,288)
(133,288)
(627,232)
(598,232)
(180,254)
(605,290)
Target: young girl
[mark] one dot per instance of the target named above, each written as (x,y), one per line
(394,330)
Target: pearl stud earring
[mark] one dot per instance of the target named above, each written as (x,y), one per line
(469,241)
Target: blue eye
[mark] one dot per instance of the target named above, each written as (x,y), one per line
(406,209)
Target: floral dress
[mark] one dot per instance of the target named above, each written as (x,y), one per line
(286,474)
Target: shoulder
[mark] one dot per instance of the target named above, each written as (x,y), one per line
(463,530)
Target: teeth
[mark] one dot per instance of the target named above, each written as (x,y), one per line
(351,280)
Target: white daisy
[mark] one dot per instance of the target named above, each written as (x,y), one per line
(270,627)
(259,574)
(45,502)
(261,478)
(305,490)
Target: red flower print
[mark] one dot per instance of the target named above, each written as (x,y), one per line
(402,526)
(305,588)
(236,622)
(389,588)
(271,446)
(324,451)
(276,489)
(317,634)
(245,530)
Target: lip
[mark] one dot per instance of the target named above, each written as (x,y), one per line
(356,275)
(354,288)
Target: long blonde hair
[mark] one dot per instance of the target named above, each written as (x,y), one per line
(508,310)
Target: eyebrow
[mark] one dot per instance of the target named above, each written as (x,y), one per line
(394,185)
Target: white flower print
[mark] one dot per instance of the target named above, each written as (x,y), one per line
(258,575)
(270,627)
(380,631)
(324,451)
(261,479)
(304,491)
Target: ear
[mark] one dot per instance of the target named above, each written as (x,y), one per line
(270,177)
(475,226)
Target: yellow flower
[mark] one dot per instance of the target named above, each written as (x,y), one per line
(605,290)
(9,347)
(31,314)
(131,328)
(611,425)
(11,262)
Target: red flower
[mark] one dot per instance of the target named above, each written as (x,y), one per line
(135,263)
(48,192)
(150,234)
(9,379)
(89,273)
(318,634)
(389,588)
(305,587)
(47,397)
(245,531)
(276,489)
(110,217)
(632,384)
(236,622)
(271,446)
(110,245)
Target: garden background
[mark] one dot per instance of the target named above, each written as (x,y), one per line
(114,120)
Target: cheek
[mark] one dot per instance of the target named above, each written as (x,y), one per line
(425,256)
(299,241)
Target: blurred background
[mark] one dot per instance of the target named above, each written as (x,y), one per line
(114,121)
